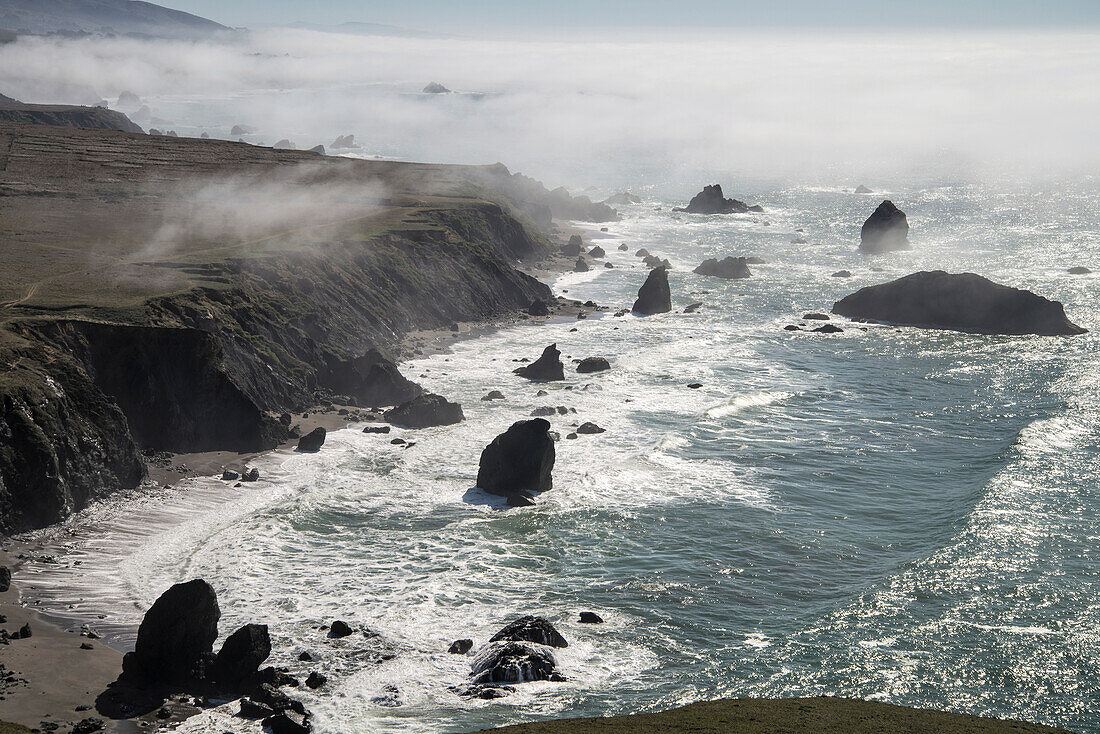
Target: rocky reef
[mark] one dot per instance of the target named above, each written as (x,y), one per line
(959,302)
(711,200)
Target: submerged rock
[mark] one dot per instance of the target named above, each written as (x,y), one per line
(312,441)
(842,274)
(425,411)
(175,635)
(732,268)
(1079,270)
(960,302)
(493,395)
(886,230)
(519,460)
(547,367)
(593,364)
(654,296)
(711,201)
(622,199)
(590,429)
(828,329)
(531,629)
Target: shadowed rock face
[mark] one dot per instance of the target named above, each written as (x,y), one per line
(886,230)
(425,411)
(371,378)
(176,633)
(93,118)
(654,296)
(513,662)
(531,629)
(241,654)
(547,367)
(731,268)
(961,302)
(711,201)
(519,460)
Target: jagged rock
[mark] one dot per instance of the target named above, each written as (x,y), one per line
(580,266)
(544,410)
(251,475)
(531,629)
(254,709)
(270,695)
(960,302)
(589,428)
(376,429)
(590,618)
(519,460)
(815,317)
(5,579)
(732,268)
(435,88)
(89,725)
(597,251)
(538,308)
(513,662)
(288,722)
(425,411)
(312,441)
(318,149)
(339,629)
(654,296)
(493,395)
(372,379)
(1079,270)
(886,230)
(828,329)
(175,635)
(241,655)
(622,199)
(842,274)
(711,201)
(242,130)
(315,680)
(593,364)
(548,367)
(460,647)
(861,189)
(574,247)
(486,693)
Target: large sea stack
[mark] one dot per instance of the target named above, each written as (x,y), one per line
(175,636)
(960,302)
(711,201)
(886,230)
(518,461)
(654,296)
(731,268)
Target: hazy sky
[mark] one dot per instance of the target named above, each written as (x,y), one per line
(470,15)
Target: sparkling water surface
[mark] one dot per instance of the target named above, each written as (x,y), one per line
(893,514)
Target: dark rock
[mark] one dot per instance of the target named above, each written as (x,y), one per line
(312,441)
(608,266)
(711,201)
(654,296)
(398,442)
(960,302)
(460,647)
(842,274)
(886,230)
(574,247)
(513,662)
(89,725)
(815,317)
(276,678)
(623,247)
(251,475)
(5,579)
(1079,270)
(175,635)
(547,367)
(642,253)
(230,476)
(426,411)
(315,680)
(318,149)
(732,268)
(589,429)
(538,308)
(530,628)
(591,618)
(288,722)
(593,364)
(305,656)
(24,632)
(87,646)
(372,379)
(520,500)
(241,655)
(519,460)
(695,385)
(580,266)
(543,410)
(486,693)
(493,395)
(693,307)
(339,628)
(435,88)
(861,189)
(828,329)
(254,709)
(376,429)
(597,251)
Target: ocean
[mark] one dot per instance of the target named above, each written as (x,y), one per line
(894,514)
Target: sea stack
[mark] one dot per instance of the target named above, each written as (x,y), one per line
(731,268)
(518,461)
(654,296)
(547,367)
(711,201)
(959,302)
(176,634)
(886,230)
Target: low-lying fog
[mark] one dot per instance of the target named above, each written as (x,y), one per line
(605,110)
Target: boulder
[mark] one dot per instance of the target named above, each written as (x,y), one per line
(654,296)
(288,722)
(590,618)
(589,428)
(312,441)
(693,307)
(731,268)
(815,317)
(608,266)
(642,253)
(493,395)
(339,629)
(425,411)
(886,230)
(593,364)
(861,189)
(828,329)
(371,378)
(711,201)
(538,308)
(597,251)
(960,302)
(254,709)
(251,475)
(530,628)
(460,647)
(89,725)
(842,274)
(1079,270)
(514,662)
(241,655)
(175,635)
(315,680)
(519,460)
(623,247)
(548,367)
(435,88)
(574,247)
(580,266)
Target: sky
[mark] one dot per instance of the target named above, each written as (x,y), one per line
(469,16)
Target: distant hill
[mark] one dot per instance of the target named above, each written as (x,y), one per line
(366,29)
(102,16)
(94,118)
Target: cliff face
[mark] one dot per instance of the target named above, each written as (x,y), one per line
(91,118)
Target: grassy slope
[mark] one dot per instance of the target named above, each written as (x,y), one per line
(785,716)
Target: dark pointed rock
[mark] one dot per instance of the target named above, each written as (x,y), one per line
(654,296)
(574,247)
(886,230)
(711,201)
(460,647)
(580,266)
(175,635)
(519,460)
(597,251)
(312,441)
(339,629)
(241,655)
(590,618)
(547,367)
(861,189)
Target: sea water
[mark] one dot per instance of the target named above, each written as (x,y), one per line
(893,514)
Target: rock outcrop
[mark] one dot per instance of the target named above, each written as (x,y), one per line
(312,441)
(861,189)
(175,636)
(425,411)
(622,199)
(593,364)
(547,368)
(372,378)
(960,302)
(654,296)
(518,461)
(435,88)
(712,201)
(886,230)
(580,266)
(90,118)
(241,655)
(731,268)
(574,247)
(530,628)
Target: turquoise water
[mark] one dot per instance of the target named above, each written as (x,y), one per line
(894,514)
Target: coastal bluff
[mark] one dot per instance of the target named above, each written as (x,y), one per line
(143,328)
